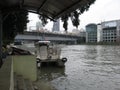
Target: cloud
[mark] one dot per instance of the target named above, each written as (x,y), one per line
(102,10)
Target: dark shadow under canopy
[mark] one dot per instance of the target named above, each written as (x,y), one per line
(50,8)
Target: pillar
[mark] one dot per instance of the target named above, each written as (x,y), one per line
(0,38)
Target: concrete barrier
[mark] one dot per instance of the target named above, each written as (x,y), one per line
(25,65)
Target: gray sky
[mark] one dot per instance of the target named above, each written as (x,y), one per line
(101,10)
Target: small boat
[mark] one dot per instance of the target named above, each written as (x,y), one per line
(46,52)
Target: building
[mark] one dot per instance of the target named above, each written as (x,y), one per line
(91,33)
(76,31)
(108,31)
(99,33)
(82,33)
(56,26)
(39,26)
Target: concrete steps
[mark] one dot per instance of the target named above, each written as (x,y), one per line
(22,84)
(29,84)
(15,82)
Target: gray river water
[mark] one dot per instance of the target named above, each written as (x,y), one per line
(90,67)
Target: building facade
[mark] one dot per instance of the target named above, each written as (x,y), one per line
(108,31)
(91,33)
(99,33)
(76,31)
(56,26)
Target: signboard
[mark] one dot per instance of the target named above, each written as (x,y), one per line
(110,24)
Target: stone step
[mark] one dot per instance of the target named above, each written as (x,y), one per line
(15,81)
(21,83)
(29,84)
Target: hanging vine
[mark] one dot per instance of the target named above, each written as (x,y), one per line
(43,19)
(14,23)
(75,18)
(73,15)
(65,21)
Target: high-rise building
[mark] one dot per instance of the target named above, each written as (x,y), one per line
(39,26)
(56,26)
(91,33)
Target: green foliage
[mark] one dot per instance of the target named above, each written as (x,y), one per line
(21,21)
(13,23)
(75,18)
(65,20)
(43,19)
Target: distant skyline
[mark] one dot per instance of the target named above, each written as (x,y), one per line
(101,10)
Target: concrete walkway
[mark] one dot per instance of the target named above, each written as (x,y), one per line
(5,74)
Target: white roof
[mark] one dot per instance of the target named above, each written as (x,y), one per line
(43,42)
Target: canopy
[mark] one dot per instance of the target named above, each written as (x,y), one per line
(49,8)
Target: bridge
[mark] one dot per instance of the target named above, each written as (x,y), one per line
(53,37)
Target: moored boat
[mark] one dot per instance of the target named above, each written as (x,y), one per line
(46,52)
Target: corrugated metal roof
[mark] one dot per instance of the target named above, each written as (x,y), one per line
(50,8)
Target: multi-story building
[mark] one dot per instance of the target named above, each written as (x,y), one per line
(82,33)
(56,26)
(76,31)
(91,33)
(99,33)
(108,31)
(39,26)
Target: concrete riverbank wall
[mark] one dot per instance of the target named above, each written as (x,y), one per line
(24,65)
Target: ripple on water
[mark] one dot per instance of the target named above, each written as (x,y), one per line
(91,67)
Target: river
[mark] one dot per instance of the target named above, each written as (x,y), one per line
(89,67)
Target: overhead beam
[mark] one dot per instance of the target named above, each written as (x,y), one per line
(41,5)
(21,3)
(33,11)
(68,9)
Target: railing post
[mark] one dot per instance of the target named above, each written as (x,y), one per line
(0,38)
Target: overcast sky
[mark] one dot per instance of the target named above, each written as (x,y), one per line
(101,10)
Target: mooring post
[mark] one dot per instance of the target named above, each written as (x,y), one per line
(0,38)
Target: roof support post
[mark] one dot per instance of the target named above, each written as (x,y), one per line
(0,39)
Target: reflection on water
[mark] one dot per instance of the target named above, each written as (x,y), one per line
(49,73)
(88,68)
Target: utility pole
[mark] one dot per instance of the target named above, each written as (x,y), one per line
(0,39)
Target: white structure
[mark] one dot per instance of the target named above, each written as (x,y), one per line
(99,33)
(47,52)
(76,31)
(108,31)
(39,26)
(56,26)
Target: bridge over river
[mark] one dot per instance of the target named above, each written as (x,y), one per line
(53,37)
